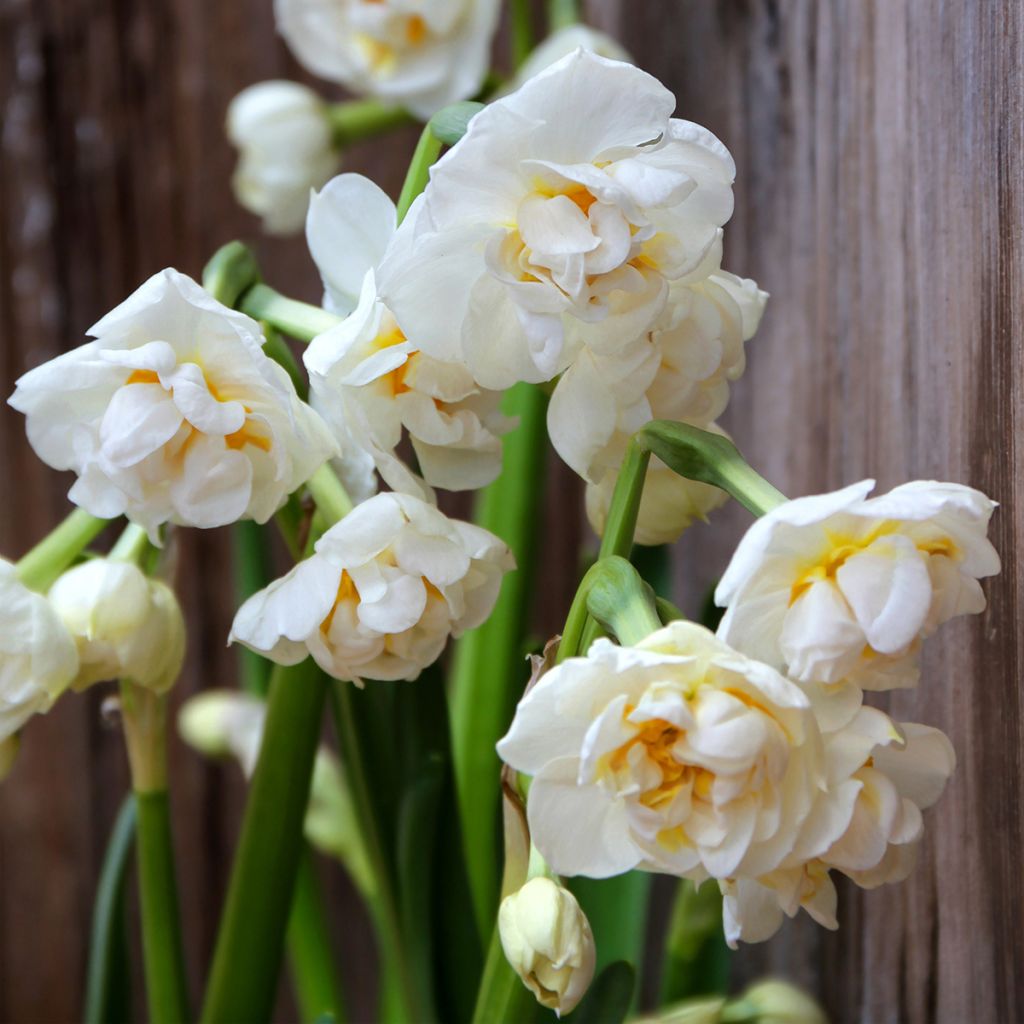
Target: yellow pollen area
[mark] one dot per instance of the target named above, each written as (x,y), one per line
(582,197)
(416,30)
(658,737)
(843,547)
(348,591)
(395,379)
(239,439)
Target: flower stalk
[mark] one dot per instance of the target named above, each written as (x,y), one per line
(55,552)
(428,149)
(359,120)
(298,320)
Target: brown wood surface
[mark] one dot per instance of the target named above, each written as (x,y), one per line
(881,179)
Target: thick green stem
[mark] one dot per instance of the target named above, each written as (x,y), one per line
(696,956)
(503,998)
(54,553)
(107,994)
(397,970)
(131,546)
(625,505)
(488,671)
(298,320)
(163,952)
(428,149)
(317,987)
(357,120)
(243,979)
(331,498)
(251,568)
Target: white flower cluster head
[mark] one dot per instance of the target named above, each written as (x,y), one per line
(173,414)
(749,757)
(421,55)
(575,232)
(381,594)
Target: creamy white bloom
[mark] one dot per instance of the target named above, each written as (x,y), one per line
(565,41)
(125,625)
(285,148)
(668,505)
(881,776)
(38,659)
(548,942)
(422,54)
(369,381)
(677,754)
(383,591)
(842,586)
(173,414)
(558,221)
(222,723)
(680,370)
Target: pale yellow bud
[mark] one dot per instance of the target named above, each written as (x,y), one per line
(547,940)
(779,1002)
(125,625)
(705,1010)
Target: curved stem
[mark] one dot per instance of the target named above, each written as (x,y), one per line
(503,998)
(298,320)
(106,989)
(562,13)
(243,978)
(427,151)
(521,25)
(41,566)
(328,492)
(357,120)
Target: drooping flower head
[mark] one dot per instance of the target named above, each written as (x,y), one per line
(421,54)
(125,624)
(383,591)
(173,413)
(285,149)
(844,587)
(38,660)
(558,221)
(676,754)
(370,382)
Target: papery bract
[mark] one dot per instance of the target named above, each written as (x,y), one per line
(285,149)
(173,413)
(676,754)
(558,221)
(38,659)
(125,625)
(422,55)
(547,940)
(842,586)
(370,382)
(383,591)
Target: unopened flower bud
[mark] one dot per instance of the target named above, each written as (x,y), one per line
(125,625)
(778,1002)
(547,940)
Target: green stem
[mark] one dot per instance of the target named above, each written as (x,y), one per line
(428,149)
(562,13)
(131,545)
(488,673)
(107,1000)
(503,998)
(385,906)
(317,987)
(277,348)
(331,498)
(298,320)
(521,26)
(696,956)
(251,568)
(625,505)
(243,978)
(163,952)
(357,120)
(39,569)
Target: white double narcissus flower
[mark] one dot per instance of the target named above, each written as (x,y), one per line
(676,754)
(421,54)
(881,776)
(681,371)
(383,591)
(285,148)
(547,940)
(844,587)
(38,659)
(173,414)
(558,221)
(563,42)
(370,382)
(125,624)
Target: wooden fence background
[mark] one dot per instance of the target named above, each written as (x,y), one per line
(879,199)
